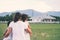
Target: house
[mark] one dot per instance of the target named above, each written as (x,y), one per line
(43,19)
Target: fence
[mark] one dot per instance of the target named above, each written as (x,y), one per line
(44,22)
(3,21)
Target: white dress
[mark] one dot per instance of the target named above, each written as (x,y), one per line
(18,30)
(27,35)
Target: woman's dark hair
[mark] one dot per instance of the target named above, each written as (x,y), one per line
(8,23)
(24,17)
(17,16)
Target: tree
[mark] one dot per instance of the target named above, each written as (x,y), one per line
(57,18)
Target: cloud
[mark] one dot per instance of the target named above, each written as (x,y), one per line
(55,4)
(13,5)
(41,6)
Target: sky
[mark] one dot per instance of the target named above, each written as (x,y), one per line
(38,5)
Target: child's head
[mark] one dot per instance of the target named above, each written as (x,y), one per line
(24,17)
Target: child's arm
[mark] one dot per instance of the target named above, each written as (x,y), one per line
(29,30)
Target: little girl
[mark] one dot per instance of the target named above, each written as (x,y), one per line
(27,34)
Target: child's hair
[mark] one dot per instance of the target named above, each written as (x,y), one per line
(8,23)
(24,17)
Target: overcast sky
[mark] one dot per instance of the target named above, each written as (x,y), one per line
(38,5)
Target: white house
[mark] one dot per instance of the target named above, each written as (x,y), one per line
(44,18)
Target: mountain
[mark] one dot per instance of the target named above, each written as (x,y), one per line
(54,13)
(33,13)
(5,13)
(29,12)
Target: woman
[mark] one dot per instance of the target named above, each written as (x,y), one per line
(17,27)
(27,34)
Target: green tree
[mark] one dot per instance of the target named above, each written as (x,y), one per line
(57,18)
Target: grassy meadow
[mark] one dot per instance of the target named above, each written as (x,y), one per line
(40,31)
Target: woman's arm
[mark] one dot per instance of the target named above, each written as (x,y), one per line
(8,31)
(4,33)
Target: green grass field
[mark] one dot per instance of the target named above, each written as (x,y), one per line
(40,31)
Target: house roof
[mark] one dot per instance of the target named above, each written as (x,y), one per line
(43,17)
(48,17)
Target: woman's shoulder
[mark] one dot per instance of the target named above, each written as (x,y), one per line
(12,22)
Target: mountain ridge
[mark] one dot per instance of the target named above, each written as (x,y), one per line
(32,13)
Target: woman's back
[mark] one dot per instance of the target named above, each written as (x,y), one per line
(18,30)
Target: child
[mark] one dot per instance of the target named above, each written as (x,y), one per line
(9,36)
(27,34)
